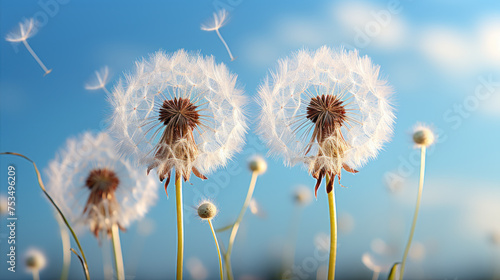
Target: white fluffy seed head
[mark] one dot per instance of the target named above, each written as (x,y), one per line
(285,95)
(68,174)
(207,210)
(257,164)
(35,260)
(210,87)
(423,136)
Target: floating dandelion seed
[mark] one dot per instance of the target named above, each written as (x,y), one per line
(27,29)
(219,20)
(196,269)
(302,196)
(328,110)
(35,261)
(100,80)
(179,111)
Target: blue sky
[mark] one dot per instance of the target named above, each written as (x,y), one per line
(441,57)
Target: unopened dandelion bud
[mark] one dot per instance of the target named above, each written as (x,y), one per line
(207,210)
(423,136)
(35,260)
(257,164)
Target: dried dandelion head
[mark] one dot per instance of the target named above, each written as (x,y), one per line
(423,136)
(27,28)
(326,109)
(96,188)
(35,260)
(179,111)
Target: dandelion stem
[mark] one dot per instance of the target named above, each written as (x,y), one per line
(419,197)
(333,232)
(117,250)
(36,274)
(107,259)
(218,250)
(66,243)
(224,42)
(40,183)
(180,226)
(32,52)
(376,274)
(227,256)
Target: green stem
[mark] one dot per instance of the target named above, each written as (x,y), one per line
(40,183)
(180,226)
(419,197)
(218,250)
(333,232)
(232,237)
(117,250)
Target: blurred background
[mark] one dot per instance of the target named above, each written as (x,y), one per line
(441,57)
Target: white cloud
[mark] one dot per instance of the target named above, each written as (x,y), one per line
(447,48)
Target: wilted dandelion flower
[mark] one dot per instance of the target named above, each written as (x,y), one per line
(219,20)
(100,80)
(27,29)
(326,109)
(95,187)
(179,111)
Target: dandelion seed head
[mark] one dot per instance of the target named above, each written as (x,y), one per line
(219,19)
(179,111)
(327,109)
(27,29)
(97,188)
(207,210)
(35,260)
(100,80)
(423,136)
(257,164)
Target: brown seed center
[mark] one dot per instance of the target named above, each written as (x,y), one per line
(102,181)
(179,112)
(326,110)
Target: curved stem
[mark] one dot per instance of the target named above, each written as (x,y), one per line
(333,232)
(218,250)
(180,225)
(419,197)
(227,256)
(66,243)
(117,250)
(42,186)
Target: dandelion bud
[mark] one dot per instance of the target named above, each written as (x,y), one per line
(302,196)
(423,136)
(207,210)
(257,164)
(35,260)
